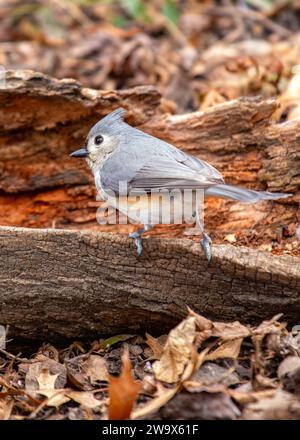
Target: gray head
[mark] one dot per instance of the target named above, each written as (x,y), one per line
(104,137)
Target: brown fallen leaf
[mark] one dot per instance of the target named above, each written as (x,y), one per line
(281,406)
(262,382)
(48,351)
(211,373)
(177,352)
(85,399)
(47,377)
(6,406)
(229,349)
(155,346)
(95,368)
(231,238)
(200,322)
(243,397)
(123,391)
(34,370)
(164,395)
(230,330)
(267,327)
(289,374)
(46,387)
(196,387)
(76,373)
(225,330)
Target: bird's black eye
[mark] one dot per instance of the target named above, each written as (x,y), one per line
(98,139)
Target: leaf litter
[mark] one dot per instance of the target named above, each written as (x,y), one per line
(202,369)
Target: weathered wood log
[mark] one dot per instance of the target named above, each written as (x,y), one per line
(72,284)
(84,284)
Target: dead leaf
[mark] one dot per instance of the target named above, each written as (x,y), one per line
(6,406)
(263,382)
(200,322)
(225,330)
(85,399)
(95,368)
(55,369)
(230,330)
(289,373)
(244,396)
(46,387)
(123,391)
(267,247)
(231,238)
(155,346)
(288,366)
(281,406)
(164,395)
(196,387)
(47,351)
(211,373)
(267,327)
(229,349)
(177,352)
(76,374)
(192,365)
(47,378)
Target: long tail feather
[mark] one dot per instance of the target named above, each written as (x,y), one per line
(242,194)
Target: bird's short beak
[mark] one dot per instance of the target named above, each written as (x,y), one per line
(83,152)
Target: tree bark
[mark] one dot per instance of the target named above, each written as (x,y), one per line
(71,284)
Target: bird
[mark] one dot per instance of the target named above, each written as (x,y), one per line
(148,168)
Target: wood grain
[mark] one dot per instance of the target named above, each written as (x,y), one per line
(71,284)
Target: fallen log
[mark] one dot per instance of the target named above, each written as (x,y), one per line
(69,284)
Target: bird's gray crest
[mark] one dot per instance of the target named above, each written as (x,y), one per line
(110,123)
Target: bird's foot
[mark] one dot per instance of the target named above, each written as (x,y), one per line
(138,241)
(206,245)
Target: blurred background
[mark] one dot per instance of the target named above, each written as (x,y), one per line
(198,53)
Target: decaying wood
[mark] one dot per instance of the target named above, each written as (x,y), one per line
(83,284)
(43,120)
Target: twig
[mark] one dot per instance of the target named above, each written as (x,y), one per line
(15,358)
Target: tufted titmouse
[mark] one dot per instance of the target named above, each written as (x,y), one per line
(119,154)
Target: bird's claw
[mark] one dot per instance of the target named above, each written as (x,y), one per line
(138,241)
(206,245)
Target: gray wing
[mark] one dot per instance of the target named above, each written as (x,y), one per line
(147,163)
(169,173)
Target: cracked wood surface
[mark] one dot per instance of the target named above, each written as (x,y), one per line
(82,284)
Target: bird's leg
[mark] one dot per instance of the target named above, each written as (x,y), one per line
(138,239)
(206,245)
(206,240)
